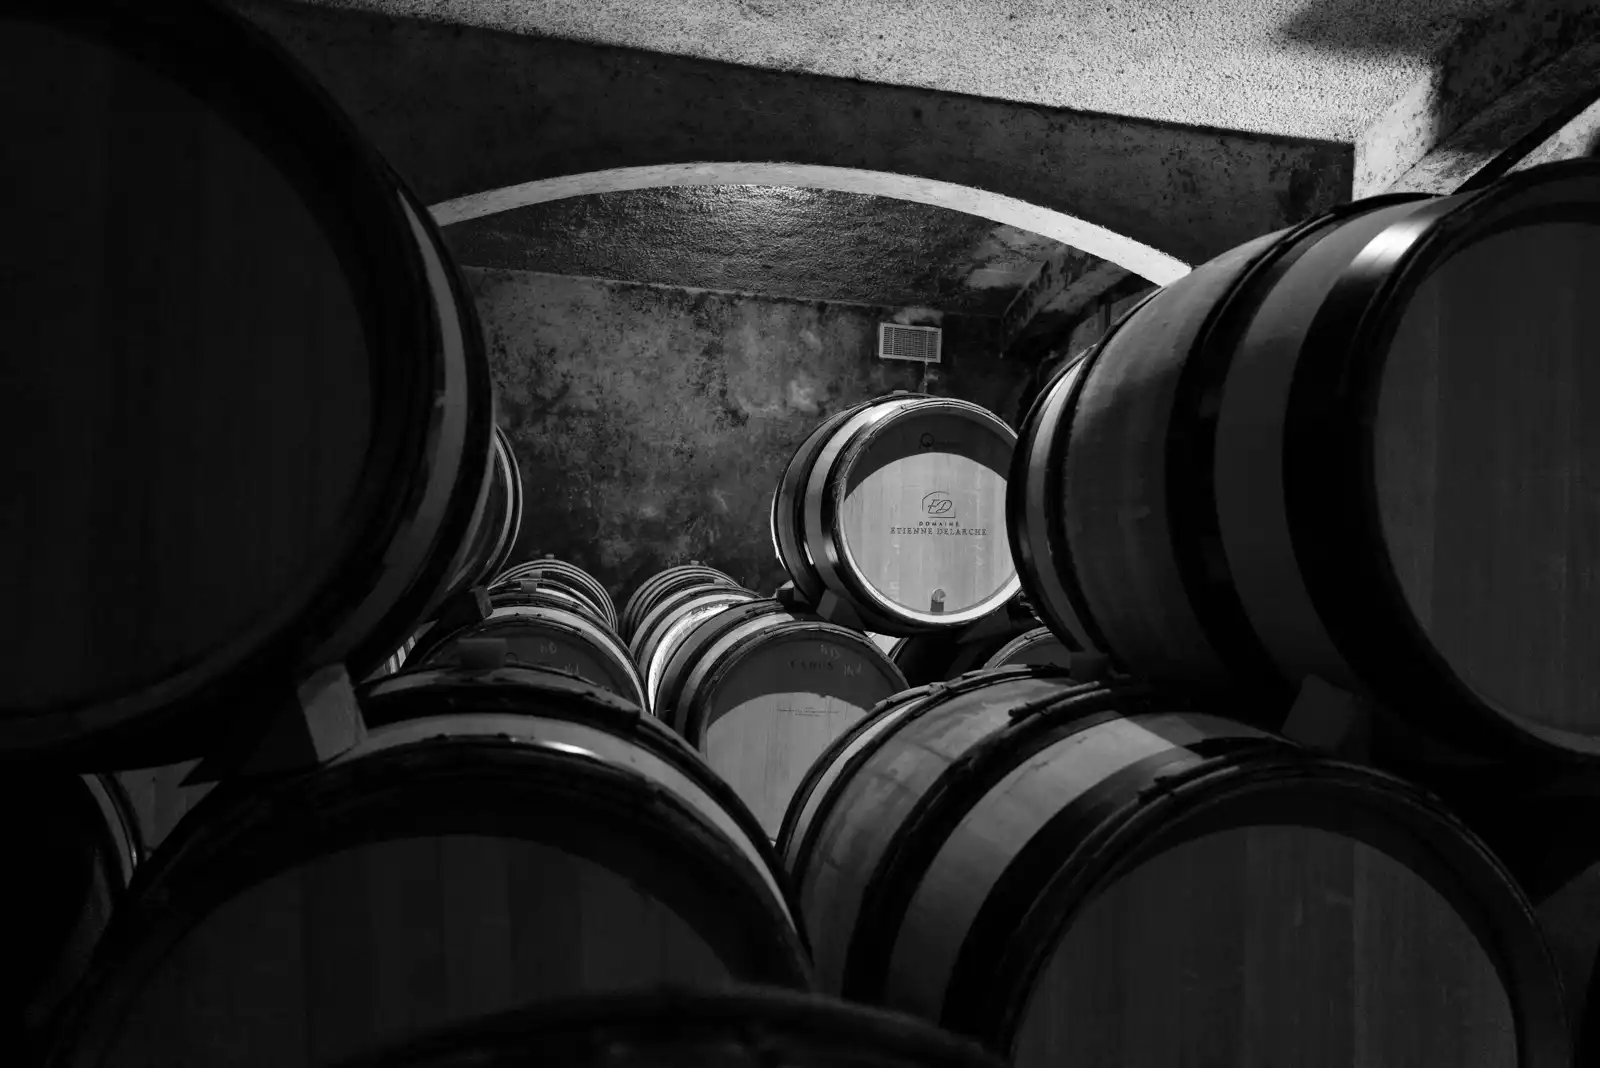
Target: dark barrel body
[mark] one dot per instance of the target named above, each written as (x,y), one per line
(72,844)
(735,1027)
(1360,449)
(253,414)
(1104,874)
(500,838)
(663,584)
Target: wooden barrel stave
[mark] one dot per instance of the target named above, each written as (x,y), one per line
(761,692)
(964,868)
(567,576)
(329,531)
(499,523)
(662,584)
(534,838)
(676,667)
(699,600)
(786,520)
(736,1027)
(1336,465)
(827,509)
(548,638)
(1039,646)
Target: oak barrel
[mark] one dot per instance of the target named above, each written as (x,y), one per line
(941,655)
(569,577)
(485,556)
(897,506)
(663,584)
(71,844)
(1361,449)
(761,691)
(1037,646)
(499,838)
(541,632)
(252,418)
(734,1027)
(1106,875)
(672,617)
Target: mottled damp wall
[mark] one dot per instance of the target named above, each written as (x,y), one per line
(652,422)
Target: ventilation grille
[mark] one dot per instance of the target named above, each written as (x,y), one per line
(917,343)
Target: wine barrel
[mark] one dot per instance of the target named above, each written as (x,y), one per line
(761,691)
(734,1027)
(663,584)
(1546,830)
(569,577)
(485,556)
(72,843)
(897,507)
(673,616)
(942,655)
(1054,868)
(541,633)
(1037,646)
(549,594)
(498,839)
(265,407)
(1352,449)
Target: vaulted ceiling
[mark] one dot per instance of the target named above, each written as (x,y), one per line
(801,243)
(1308,68)
(1318,69)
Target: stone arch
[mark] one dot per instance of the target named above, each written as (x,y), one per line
(1126,252)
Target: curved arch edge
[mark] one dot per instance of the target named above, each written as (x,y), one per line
(1125,252)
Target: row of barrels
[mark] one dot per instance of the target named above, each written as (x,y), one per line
(757,686)
(1354,449)
(1066,872)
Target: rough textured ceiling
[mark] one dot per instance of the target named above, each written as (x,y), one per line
(1310,68)
(801,243)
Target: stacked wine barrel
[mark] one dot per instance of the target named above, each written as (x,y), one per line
(895,508)
(259,461)
(550,615)
(1332,486)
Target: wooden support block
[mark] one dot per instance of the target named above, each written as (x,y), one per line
(320,722)
(831,607)
(1088,667)
(1330,720)
(463,609)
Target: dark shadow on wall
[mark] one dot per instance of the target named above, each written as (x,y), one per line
(1483,53)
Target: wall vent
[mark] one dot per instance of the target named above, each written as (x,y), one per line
(917,343)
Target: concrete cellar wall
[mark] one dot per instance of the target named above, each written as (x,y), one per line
(652,422)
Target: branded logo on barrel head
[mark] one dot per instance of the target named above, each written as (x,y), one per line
(926,440)
(939,517)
